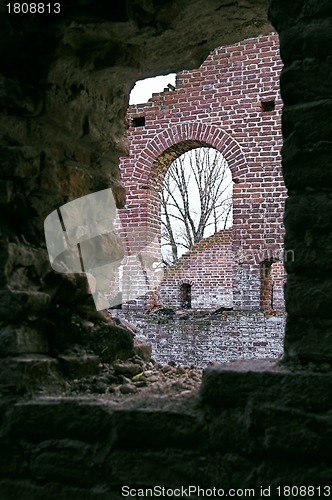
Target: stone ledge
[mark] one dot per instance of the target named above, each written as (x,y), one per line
(57,418)
(235,385)
(79,366)
(27,372)
(22,340)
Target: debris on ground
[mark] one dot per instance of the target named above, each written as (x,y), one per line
(121,379)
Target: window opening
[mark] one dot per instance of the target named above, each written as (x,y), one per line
(138,121)
(185,296)
(196,201)
(268,105)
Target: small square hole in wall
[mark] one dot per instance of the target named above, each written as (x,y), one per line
(268,105)
(138,121)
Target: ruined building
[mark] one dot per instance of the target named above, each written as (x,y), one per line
(231,103)
(65,80)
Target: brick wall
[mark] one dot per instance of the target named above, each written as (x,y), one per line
(231,103)
(202,339)
(207,268)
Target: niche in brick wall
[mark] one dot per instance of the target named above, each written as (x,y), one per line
(268,105)
(271,271)
(138,121)
(185,296)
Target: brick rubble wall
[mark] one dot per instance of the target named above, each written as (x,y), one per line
(200,340)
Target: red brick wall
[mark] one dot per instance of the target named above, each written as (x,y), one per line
(208,269)
(220,104)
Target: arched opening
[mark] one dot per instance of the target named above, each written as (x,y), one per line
(266,299)
(272,280)
(185,295)
(196,201)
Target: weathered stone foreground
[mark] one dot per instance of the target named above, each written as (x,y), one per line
(241,431)
(63,100)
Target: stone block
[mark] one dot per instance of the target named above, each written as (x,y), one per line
(238,384)
(26,373)
(309,340)
(299,81)
(297,166)
(309,296)
(289,431)
(57,418)
(16,305)
(127,369)
(79,366)
(111,342)
(311,250)
(308,212)
(156,429)
(311,43)
(22,339)
(143,349)
(171,468)
(64,461)
(20,254)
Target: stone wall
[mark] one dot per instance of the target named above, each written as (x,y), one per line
(254,423)
(306,151)
(202,338)
(231,103)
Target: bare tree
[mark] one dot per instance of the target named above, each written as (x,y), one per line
(196,200)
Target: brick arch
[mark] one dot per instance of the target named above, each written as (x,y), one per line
(185,281)
(166,146)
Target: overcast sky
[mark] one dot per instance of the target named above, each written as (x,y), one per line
(143,89)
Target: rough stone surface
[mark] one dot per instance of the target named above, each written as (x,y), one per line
(240,431)
(22,339)
(27,373)
(62,94)
(306,145)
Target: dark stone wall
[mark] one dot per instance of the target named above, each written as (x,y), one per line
(252,425)
(306,50)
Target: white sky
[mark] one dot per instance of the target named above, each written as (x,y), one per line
(144,89)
